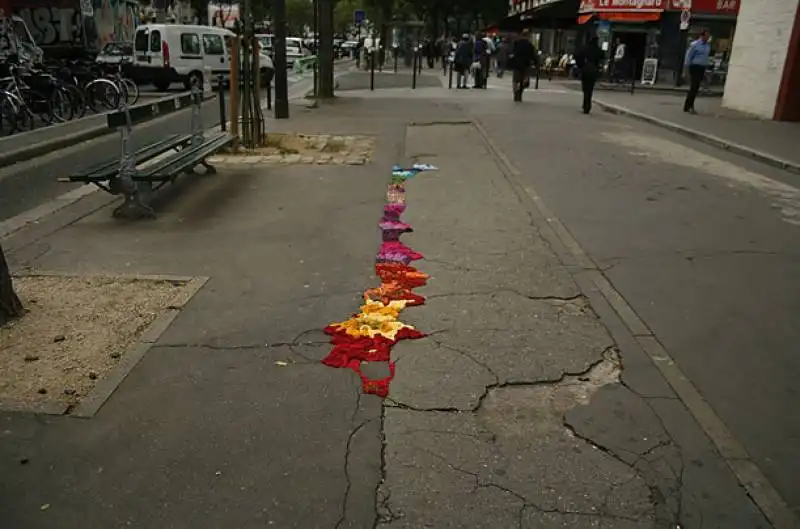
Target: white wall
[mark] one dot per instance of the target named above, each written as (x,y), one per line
(763,30)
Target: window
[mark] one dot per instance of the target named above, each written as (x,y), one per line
(155,41)
(140,42)
(190,44)
(213,45)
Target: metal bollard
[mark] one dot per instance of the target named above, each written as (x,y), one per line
(223,121)
(381,56)
(450,80)
(536,86)
(414,73)
(372,71)
(395,60)
(633,77)
(419,60)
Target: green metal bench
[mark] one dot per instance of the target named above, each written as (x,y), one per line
(185,152)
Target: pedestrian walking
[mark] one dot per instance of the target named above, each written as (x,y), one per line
(486,59)
(522,57)
(588,60)
(696,61)
(479,60)
(501,57)
(463,60)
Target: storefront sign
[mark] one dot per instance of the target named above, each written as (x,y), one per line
(618,5)
(722,7)
(590,6)
(714,7)
(522,6)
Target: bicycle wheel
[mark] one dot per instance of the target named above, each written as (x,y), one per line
(77,100)
(102,93)
(40,106)
(61,105)
(8,117)
(131,90)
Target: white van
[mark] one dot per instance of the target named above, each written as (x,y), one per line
(168,53)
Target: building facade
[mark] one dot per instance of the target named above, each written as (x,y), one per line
(653,29)
(764,72)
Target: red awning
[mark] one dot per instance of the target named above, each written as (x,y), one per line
(583,19)
(628,16)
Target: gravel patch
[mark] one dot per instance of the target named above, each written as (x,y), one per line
(74,333)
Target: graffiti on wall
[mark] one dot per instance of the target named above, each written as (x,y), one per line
(54,25)
(115,20)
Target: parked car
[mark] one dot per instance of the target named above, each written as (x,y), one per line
(348,48)
(168,53)
(295,50)
(116,52)
(265,40)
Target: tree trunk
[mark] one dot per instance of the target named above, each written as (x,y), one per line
(325,53)
(10,306)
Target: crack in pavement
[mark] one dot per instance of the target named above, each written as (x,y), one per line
(494,292)
(480,483)
(610,353)
(348,483)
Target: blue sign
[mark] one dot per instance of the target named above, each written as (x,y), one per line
(603,28)
(359,16)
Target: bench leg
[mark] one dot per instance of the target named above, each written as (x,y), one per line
(137,204)
(210,169)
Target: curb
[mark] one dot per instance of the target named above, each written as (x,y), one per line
(706,138)
(38,149)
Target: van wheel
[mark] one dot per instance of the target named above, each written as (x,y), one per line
(195,79)
(163,86)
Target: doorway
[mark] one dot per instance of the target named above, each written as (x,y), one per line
(635,51)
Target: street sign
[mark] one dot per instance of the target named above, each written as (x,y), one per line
(87,8)
(359,16)
(686,17)
(603,28)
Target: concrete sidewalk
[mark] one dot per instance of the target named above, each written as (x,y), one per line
(772,142)
(524,407)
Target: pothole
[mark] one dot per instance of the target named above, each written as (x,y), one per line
(536,409)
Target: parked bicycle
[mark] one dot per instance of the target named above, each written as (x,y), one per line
(60,91)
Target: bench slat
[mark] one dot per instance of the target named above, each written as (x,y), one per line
(107,170)
(186,158)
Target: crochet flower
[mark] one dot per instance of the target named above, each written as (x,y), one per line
(376,319)
(406,275)
(394,291)
(393,196)
(398,252)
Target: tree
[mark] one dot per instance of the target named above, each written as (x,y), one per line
(299,14)
(343,14)
(325,48)
(10,306)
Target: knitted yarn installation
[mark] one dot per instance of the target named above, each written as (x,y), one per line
(368,336)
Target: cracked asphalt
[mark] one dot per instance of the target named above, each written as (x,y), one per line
(529,405)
